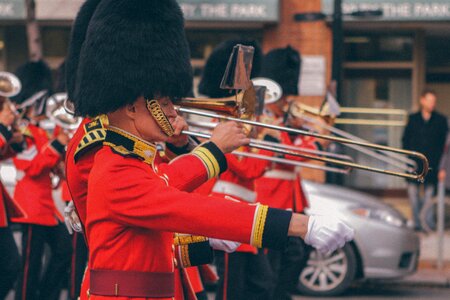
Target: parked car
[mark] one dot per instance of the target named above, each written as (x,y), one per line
(384,247)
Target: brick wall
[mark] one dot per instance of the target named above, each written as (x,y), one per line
(310,38)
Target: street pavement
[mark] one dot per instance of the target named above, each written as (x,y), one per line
(380,292)
(388,292)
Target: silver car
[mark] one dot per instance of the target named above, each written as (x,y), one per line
(384,247)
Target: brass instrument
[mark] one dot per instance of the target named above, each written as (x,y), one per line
(56,111)
(10,85)
(236,107)
(401,114)
(293,162)
(391,158)
(212,125)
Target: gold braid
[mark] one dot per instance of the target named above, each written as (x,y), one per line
(155,109)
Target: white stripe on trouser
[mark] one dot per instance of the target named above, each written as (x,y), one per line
(234,190)
(280,174)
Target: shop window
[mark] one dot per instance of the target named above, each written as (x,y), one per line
(15,47)
(360,48)
(55,42)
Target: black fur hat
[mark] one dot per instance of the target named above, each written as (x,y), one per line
(132,48)
(77,38)
(283,66)
(217,63)
(35,77)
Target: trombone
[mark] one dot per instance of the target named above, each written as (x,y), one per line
(235,107)
(212,125)
(394,159)
(293,162)
(280,160)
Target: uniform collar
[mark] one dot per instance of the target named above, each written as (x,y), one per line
(127,144)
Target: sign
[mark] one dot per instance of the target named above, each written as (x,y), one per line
(12,10)
(312,81)
(194,10)
(230,10)
(395,10)
(57,9)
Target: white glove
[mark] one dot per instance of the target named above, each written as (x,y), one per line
(71,219)
(225,246)
(327,233)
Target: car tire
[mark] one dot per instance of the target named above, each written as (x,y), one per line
(328,275)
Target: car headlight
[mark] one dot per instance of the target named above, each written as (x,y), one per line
(386,216)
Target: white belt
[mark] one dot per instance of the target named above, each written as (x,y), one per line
(280,174)
(234,190)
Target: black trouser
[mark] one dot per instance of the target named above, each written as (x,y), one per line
(287,266)
(78,264)
(243,276)
(9,261)
(31,286)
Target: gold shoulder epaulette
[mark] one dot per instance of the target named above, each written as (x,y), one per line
(94,136)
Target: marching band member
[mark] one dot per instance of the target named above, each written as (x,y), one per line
(11,143)
(132,209)
(280,187)
(246,273)
(78,260)
(33,192)
(90,136)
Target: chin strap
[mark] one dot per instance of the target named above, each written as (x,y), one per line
(163,122)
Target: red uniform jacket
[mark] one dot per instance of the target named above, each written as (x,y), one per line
(34,188)
(281,187)
(238,182)
(8,207)
(133,212)
(85,144)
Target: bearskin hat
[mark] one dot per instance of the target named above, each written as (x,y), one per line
(283,66)
(217,63)
(35,77)
(78,35)
(132,48)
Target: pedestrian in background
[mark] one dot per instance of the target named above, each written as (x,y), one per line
(444,166)
(426,132)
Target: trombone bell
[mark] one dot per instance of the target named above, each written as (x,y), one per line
(241,105)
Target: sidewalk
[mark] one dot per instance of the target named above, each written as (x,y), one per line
(427,273)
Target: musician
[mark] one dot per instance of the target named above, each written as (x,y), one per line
(42,223)
(11,143)
(280,186)
(246,273)
(132,210)
(87,141)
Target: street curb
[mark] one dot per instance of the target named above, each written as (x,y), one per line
(413,284)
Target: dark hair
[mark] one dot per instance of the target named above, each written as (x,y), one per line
(3,100)
(427,91)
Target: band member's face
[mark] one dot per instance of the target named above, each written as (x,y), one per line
(278,107)
(428,102)
(295,122)
(7,115)
(146,125)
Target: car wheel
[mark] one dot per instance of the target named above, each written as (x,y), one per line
(328,275)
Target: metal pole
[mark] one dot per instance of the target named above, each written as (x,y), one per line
(440,224)
(338,48)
